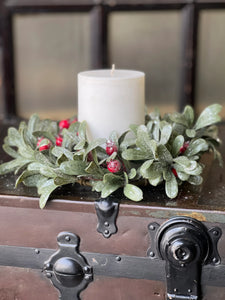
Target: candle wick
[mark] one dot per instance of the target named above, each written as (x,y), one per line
(113,69)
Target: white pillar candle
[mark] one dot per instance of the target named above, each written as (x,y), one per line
(110,100)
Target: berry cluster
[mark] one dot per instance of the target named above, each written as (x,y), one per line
(58,140)
(114,165)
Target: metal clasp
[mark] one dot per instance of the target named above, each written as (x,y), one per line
(186,245)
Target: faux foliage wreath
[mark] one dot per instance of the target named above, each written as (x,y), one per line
(48,154)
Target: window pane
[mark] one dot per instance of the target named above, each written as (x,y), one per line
(211,62)
(50,50)
(150,42)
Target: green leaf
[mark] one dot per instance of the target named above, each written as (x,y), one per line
(10,151)
(134,128)
(97,186)
(196,146)
(96,143)
(177,144)
(133,192)
(209,116)
(45,191)
(59,181)
(93,169)
(111,184)
(135,154)
(14,138)
(43,159)
(191,133)
(34,166)
(182,176)
(24,175)
(12,165)
(132,174)
(82,130)
(164,154)
(47,172)
(75,168)
(189,115)
(195,180)
(46,134)
(33,181)
(178,118)
(166,130)
(185,162)
(154,174)
(145,168)
(171,186)
(80,145)
(58,151)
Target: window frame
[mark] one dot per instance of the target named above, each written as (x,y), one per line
(99,13)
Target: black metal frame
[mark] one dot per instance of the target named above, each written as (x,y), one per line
(100,10)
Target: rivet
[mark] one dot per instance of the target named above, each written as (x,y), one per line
(215,260)
(88,277)
(86,269)
(106,231)
(67,238)
(182,265)
(152,254)
(152,227)
(118,258)
(189,290)
(106,224)
(215,232)
(175,290)
(48,266)
(37,251)
(49,275)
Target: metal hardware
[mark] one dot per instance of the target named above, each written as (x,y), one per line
(186,245)
(67,268)
(107,211)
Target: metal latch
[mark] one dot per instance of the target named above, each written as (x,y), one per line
(186,245)
(67,268)
(107,211)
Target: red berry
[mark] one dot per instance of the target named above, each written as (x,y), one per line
(44,147)
(174,172)
(184,147)
(39,141)
(111,147)
(114,166)
(64,124)
(59,141)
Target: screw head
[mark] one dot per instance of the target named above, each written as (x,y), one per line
(118,258)
(189,290)
(106,231)
(48,275)
(215,260)
(152,227)
(67,238)
(106,223)
(215,232)
(37,251)
(151,254)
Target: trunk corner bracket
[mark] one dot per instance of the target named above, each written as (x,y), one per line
(67,268)
(185,244)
